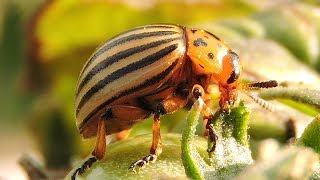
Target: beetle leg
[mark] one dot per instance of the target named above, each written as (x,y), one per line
(119,112)
(198,92)
(167,106)
(98,151)
(123,134)
(100,147)
(156,148)
(211,132)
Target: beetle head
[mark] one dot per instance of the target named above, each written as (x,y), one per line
(229,81)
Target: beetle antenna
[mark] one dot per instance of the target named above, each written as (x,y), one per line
(264,84)
(268,106)
(257,85)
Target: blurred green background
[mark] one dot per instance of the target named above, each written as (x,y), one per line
(43,45)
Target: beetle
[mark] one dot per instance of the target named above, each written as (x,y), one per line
(154,70)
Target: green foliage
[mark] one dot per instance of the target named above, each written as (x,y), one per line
(302,95)
(11,59)
(285,163)
(292,31)
(52,133)
(63,27)
(192,161)
(232,153)
(311,97)
(310,136)
(237,123)
(121,154)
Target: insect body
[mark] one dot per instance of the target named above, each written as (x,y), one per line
(152,70)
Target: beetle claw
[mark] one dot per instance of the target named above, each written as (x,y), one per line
(142,163)
(213,139)
(86,165)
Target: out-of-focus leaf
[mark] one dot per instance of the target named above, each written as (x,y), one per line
(224,32)
(263,59)
(302,95)
(13,104)
(286,163)
(261,127)
(293,31)
(276,125)
(316,175)
(261,5)
(305,108)
(312,13)
(310,136)
(120,155)
(64,27)
(245,26)
(54,137)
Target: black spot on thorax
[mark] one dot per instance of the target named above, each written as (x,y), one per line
(200,42)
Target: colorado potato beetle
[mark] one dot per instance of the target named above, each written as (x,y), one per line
(153,69)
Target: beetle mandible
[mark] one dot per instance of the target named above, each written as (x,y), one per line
(153,70)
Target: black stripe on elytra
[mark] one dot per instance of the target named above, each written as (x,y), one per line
(124,40)
(125,70)
(163,88)
(117,57)
(146,83)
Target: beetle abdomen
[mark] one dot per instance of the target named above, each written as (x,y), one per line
(139,60)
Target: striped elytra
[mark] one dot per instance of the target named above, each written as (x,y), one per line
(154,70)
(140,62)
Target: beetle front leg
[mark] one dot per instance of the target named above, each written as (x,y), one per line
(213,137)
(167,106)
(198,92)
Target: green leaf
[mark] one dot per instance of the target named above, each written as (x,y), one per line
(287,163)
(264,59)
(245,26)
(222,31)
(302,95)
(65,28)
(120,155)
(231,154)
(191,159)
(292,30)
(310,136)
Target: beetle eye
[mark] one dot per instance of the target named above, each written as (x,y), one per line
(234,58)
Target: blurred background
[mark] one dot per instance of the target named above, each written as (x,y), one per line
(43,45)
